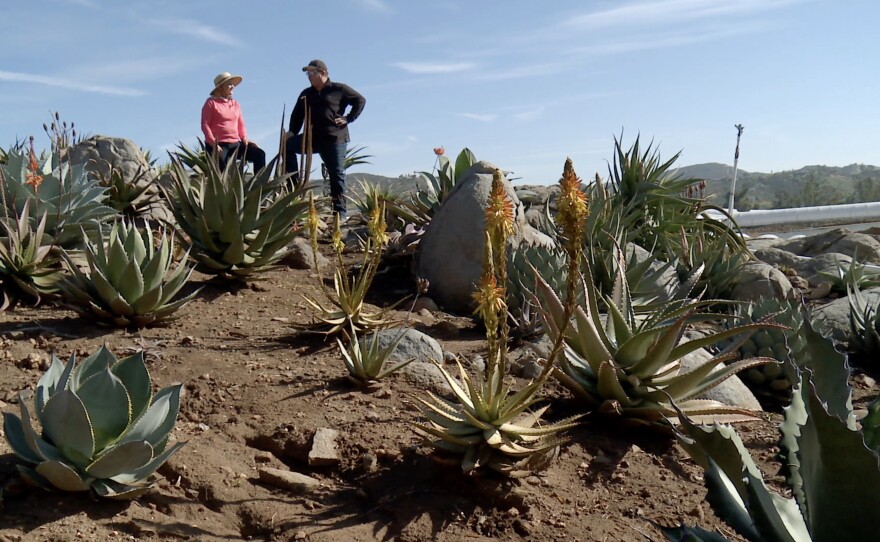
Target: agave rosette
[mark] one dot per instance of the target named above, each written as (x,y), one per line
(632,363)
(101,427)
(67,196)
(490,426)
(236,226)
(131,281)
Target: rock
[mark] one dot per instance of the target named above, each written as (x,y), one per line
(731,392)
(779,258)
(413,345)
(836,313)
(425,303)
(323,452)
(289,480)
(814,268)
(300,255)
(854,244)
(451,253)
(759,280)
(100,154)
(426,376)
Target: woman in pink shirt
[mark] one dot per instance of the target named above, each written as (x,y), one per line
(223,124)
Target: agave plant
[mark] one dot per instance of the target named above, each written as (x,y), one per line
(29,266)
(367,360)
(138,196)
(100,426)
(66,196)
(131,281)
(236,226)
(833,477)
(632,363)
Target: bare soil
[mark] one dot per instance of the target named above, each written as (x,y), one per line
(256,391)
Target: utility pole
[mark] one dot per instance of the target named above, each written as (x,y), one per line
(739,133)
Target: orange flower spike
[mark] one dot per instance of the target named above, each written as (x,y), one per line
(439,151)
(490,300)
(573,207)
(33,176)
(499,211)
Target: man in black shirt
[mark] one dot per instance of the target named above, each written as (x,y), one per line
(325,102)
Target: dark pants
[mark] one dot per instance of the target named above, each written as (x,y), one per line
(252,154)
(333,156)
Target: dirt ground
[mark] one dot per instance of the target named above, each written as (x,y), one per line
(256,391)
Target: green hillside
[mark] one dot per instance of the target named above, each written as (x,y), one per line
(810,185)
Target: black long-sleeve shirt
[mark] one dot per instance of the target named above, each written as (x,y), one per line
(325,106)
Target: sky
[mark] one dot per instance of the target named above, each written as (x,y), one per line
(522,83)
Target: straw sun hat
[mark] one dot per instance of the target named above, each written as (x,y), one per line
(225,78)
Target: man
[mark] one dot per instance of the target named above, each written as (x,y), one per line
(326,102)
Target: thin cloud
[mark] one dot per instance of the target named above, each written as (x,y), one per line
(64,83)
(375,5)
(672,11)
(534,70)
(482,117)
(666,41)
(433,67)
(195,29)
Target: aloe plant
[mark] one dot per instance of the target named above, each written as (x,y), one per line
(439,184)
(131,281)
(366,360)
(29,264)
(488,424)
(236,226)
(631,363)
(852,276)
(864,326)
(101,427)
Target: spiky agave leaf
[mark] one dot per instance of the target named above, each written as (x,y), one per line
(833,476)
(236,226)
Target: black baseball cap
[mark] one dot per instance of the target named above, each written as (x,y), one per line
(316,65)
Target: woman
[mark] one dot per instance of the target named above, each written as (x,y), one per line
(223,125)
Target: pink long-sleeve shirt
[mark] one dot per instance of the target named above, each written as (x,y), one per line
(222,121)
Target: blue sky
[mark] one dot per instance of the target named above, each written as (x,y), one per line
(524,84)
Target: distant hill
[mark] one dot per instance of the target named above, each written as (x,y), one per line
(809,185)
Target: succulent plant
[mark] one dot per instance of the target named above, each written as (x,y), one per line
(773,381)
(853,276)
(70,200)
(131,281)
(864,327)
(425,202)
(834,478)
(138,196)
(236,226)
(489,426)
(29,265)
(100,426)
(631,363)
(366,360)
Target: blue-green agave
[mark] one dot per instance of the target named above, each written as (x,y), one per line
(101,428)
(131,281)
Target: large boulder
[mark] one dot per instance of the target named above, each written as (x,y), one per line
(451,251)
(858,245)
(99,154)
(759,280)
(835,315)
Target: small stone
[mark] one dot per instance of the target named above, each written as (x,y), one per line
(300,535)
(292,481)
(263,457)
(369,462)
(323,452)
